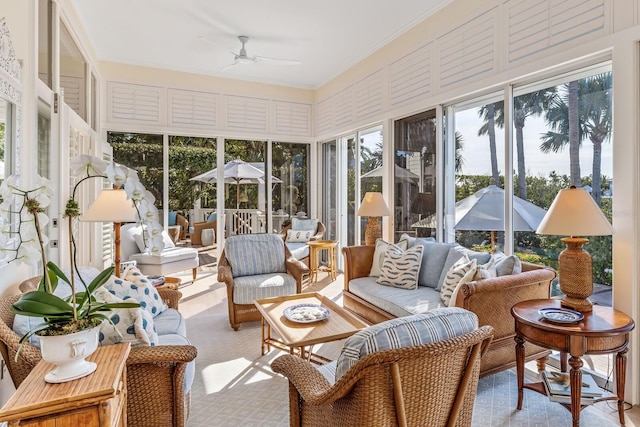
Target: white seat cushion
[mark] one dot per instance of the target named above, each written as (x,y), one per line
(166,256)
(298,250)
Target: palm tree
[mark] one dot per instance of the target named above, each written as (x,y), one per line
(583,112)
(493,114)
(530,104)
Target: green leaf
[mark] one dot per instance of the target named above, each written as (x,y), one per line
(100,279)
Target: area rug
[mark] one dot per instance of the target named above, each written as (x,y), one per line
(234,385)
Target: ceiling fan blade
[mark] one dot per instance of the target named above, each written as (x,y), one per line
(226,67)
(277,61)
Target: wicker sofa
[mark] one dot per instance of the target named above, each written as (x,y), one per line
(158,377)
(490,299)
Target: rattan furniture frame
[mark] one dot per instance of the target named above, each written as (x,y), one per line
(155,375)
(427,385)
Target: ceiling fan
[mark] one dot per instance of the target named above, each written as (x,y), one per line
(243,58)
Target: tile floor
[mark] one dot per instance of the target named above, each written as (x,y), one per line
(234,385)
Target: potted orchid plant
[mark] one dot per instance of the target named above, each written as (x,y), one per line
(23,217)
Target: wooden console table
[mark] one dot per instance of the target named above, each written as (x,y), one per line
(97,400)
(604,330)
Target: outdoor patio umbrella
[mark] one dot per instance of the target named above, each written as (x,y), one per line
(484,211)
(235,172)
(401,174)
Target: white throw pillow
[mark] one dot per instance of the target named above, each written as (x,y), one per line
(486,271)
(400,268)
(461,272)
(299,236)
(380,251)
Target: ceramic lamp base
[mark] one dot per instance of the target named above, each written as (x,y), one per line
(576,275)
(372,232)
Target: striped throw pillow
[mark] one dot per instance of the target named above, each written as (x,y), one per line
(460,273)
(400,268)
(436,325)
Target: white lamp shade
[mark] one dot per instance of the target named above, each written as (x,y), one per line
(111,205)
(574,213)
(373,204)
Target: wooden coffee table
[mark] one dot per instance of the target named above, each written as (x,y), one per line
(296,337)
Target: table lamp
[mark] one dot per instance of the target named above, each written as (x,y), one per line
(373,206)
(112,205)
(575,213)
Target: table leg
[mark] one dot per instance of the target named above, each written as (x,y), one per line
(621,372)
(333,263)
(262,326)
(576,388)
(313,263)
(520,369)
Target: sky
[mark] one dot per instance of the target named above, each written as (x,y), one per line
(476,149)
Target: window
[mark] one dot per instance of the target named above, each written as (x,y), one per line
(45,39)
(291,195)
(414,174)
(72,73)
(143,153)
(562,137)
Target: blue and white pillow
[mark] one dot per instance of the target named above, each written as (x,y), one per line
(132,325)
(304,224)
(138,287)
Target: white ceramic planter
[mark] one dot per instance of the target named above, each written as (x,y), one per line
(68,352)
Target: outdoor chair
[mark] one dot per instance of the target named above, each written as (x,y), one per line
(300,250)
(256,266)
(419,370)
(155,374)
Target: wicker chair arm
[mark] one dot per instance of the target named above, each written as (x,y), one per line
(224,274)
(357,262)
(162,354)
(171,297)
(312,386)
(296,268)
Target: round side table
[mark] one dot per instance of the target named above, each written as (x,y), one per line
(315,246)
(603,330)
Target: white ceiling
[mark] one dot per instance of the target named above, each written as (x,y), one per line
(198,36)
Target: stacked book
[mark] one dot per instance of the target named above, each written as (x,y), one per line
(156,280)
(559,390)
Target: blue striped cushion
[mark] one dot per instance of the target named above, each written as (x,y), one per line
(247,289)
(437,325)
(400,268)
(250,254)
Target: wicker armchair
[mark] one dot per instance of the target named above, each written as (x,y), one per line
(196,236)
(270,251)
(297,248)
(155,375)
(426,385)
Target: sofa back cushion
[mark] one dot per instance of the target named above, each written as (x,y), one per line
(436,325)
(434,256)
(506,265)
(128,245)
(304,224)
(251,254)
